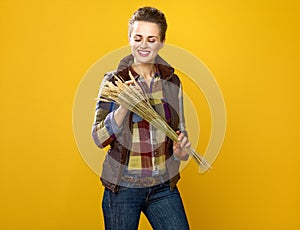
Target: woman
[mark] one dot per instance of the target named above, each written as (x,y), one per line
(141,168)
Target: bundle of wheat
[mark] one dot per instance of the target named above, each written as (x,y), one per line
(135,100)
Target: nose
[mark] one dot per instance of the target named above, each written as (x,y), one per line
(144,43)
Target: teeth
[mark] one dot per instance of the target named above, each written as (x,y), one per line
(143,53)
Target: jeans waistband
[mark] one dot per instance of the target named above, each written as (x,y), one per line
(137,181)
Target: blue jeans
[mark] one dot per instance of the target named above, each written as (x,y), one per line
(162,207)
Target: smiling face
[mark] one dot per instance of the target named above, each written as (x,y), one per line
(145,41)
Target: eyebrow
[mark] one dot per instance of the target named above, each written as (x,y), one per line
(138,35)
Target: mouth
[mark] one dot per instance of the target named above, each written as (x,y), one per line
(143,53)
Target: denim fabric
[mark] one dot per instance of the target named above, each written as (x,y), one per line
(162,207)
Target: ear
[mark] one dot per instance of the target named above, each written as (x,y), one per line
(162,44)
(130,41)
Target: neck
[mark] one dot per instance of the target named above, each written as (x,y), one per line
(146,70)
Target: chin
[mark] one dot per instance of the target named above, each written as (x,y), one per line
(144,60)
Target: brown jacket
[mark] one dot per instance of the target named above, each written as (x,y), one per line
(117,155)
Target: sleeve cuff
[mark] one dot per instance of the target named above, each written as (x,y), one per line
(111,124)
(178,159)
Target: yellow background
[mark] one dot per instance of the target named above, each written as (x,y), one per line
(253,50)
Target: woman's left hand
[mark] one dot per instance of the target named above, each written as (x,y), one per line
(179,147)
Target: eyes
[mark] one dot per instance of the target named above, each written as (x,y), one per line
(149,39)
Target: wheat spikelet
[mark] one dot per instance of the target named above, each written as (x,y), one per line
(136,101)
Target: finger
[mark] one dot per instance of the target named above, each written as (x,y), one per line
(129,82)
(183,142)
(188,145)
(180,137)
(176,145)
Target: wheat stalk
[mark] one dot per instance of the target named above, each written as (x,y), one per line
(135,100)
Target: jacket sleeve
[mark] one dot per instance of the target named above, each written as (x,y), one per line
(105,129)
(181,124)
